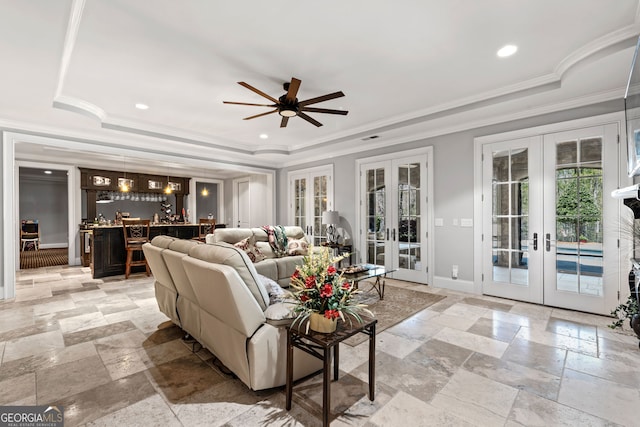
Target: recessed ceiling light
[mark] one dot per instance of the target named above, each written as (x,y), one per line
(264,136)
(141,106)
(507,50)
(48,172)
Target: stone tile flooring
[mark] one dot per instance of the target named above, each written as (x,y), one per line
(103,350)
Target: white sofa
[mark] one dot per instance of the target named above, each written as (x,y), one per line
(213,292)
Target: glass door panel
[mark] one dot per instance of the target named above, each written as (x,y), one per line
(376,204)
(579,249)
(510,216)
(408,191)
(319,206)
(509,242)
(300,202)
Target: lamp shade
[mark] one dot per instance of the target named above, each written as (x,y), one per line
(330,217)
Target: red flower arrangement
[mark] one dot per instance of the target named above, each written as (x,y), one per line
(319,288)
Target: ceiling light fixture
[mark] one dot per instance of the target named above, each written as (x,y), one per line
(507,50)
(141,106)
(264,136)
(48,172)
(288,111)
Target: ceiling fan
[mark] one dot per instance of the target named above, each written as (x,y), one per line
(289,106)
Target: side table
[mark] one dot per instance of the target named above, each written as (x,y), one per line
(319,345)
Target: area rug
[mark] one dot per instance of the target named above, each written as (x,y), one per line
(397,305)
(44,258)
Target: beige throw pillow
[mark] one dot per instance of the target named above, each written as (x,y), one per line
(249,246)
(298,247)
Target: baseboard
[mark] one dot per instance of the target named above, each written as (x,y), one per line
(77,261)
(53,245)
(455,284)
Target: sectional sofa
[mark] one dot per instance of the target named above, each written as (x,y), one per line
(214,292)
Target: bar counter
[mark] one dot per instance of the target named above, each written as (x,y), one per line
(106,245)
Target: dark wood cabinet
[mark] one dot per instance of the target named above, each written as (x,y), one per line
(108,256)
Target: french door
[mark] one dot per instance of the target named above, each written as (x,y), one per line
(393,220)
(310,194)
(548,219)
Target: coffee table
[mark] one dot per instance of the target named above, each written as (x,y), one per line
(377,272)
(319,345)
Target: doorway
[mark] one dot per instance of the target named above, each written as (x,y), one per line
(43,210)
(548,219)
(242,202)
(395,218)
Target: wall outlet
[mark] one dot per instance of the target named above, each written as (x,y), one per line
(454,271)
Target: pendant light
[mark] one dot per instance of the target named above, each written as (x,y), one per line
(168,189)
(124,186)
(204,191)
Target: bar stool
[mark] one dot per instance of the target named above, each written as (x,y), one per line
(205,226)
(136,234)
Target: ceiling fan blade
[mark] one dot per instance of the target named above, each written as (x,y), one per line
(324,110)
(258,91)
(260,115)
(321,98)
(309,119)
(283,123)
(246,103)
(293,90)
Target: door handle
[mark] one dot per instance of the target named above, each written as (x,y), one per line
(393,235)
(387,234)
(548,241)
(535,241)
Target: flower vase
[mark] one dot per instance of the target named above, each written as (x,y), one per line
(319,323)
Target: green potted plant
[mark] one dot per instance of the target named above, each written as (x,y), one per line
(628,310)
(322,295)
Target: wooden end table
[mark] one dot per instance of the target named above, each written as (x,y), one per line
(319,345)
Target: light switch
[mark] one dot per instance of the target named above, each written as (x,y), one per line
(439,222)
(466,222)
(455,221)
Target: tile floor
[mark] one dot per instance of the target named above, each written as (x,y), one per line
(103,350)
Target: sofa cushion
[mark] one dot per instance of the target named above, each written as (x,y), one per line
(267,268)
(286,267)
(183,246)
(230,235)
(266,249)
(162,241)
(248,245)
(224,253)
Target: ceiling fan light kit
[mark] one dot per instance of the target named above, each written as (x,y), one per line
(288,106)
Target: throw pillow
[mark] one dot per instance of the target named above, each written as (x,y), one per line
(248,245)
(275,291)
(298,247)
(281,304)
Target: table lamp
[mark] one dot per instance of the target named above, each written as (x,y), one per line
(330,218)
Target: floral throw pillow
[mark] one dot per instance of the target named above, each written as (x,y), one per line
(298,247)
(249,246)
